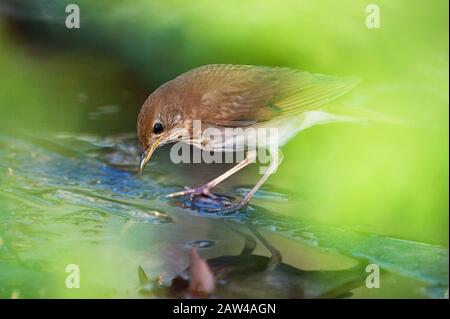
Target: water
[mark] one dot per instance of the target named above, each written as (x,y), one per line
(345,196)
(78,199)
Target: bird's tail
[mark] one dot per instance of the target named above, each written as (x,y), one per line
(361,115)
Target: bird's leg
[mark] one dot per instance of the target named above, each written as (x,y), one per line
(237,206)
(205,189)
(275,258)
(250,242)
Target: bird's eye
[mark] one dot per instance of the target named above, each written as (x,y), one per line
(158,128)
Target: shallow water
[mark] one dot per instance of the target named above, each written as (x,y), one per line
(78,199)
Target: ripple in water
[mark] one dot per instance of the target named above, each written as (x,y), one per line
(200,243)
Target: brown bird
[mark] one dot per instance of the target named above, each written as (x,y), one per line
(235,96)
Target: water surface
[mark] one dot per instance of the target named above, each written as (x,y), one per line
(78,199)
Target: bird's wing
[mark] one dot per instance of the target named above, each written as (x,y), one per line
(240,95)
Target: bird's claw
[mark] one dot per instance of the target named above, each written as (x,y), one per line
(193,192)
(228,208)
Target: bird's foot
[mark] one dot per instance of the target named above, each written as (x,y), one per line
(229,207)
(210,202)
(193,192)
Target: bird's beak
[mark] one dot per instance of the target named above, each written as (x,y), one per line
(147,154)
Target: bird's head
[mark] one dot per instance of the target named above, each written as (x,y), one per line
(158,123)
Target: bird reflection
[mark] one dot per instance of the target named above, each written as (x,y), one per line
(247,275)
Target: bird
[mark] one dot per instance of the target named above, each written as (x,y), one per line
(229,96)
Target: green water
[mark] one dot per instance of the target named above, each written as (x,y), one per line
(72,206)
(347,195)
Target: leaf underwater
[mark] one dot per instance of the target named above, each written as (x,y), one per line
(247,276)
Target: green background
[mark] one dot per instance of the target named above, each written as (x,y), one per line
(388,177)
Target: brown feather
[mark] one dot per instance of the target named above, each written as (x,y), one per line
(236,96)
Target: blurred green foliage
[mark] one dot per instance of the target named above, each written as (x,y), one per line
(389,178)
